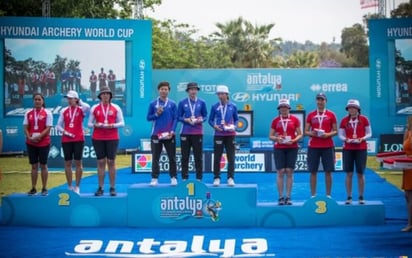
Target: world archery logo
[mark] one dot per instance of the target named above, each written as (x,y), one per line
(143,162)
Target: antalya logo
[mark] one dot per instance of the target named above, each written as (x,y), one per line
(263,82)
(150,247)
(187,207)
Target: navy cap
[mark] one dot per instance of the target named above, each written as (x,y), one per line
(321,95)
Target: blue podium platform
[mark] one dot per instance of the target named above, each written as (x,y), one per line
(189,204)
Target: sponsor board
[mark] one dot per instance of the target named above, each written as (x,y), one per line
(244,162)
(142,162)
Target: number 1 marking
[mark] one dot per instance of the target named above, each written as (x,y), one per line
(190,189)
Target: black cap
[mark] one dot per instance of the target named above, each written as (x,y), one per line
(191,85)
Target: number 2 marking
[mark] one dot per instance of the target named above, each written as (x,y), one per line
(64,199)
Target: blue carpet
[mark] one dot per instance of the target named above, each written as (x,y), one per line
(356,241)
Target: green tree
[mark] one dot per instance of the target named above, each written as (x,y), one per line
(403,10)
(354,45)
(74,8)
(301,59)
(248,45)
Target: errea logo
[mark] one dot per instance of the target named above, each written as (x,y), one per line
(329,87)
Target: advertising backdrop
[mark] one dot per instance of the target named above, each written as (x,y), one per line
(390,63)
(54,55)
(259,90)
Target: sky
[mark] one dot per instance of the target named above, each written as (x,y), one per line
(296,20)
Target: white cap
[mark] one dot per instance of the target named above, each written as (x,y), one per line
(353,103)
(284,103)
(222,89)
(72,94)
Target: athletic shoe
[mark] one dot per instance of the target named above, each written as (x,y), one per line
(361,200)
(407,229)
(76,189)
(348,200)
(33,191)
(288,201)
(99,192)
(44,192)
(112,191)
(230,182)
(329,196)
(154,182)
(173,181)
(281,201)
(216,182)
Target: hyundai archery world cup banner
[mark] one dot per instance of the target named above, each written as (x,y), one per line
(390,62)
(52,56)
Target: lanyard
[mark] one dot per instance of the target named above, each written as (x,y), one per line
(36,119)
(72,116)
(354,125)
(192,108)
(223,110)
(284,123)
(158,103)
(320,117)
(105,112)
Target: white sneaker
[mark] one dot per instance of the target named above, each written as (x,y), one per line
(76,189)
(153,182)
(173,181)
(230,182)
(216,182)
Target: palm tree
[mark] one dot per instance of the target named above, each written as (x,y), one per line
(247,45)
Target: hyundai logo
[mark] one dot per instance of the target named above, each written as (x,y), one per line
(240,96)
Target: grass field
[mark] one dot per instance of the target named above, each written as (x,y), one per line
(15,173)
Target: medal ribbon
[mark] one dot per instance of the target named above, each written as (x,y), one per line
(36,118)
(192,108)
(320,117)
(71,116)
(284,123)
(164,105)
(354,125)
(223,110)
(105,112)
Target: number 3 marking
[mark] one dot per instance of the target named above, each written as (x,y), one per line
(64,199)
(321,207)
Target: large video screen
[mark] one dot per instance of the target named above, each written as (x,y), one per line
(403,75)
(53,67)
